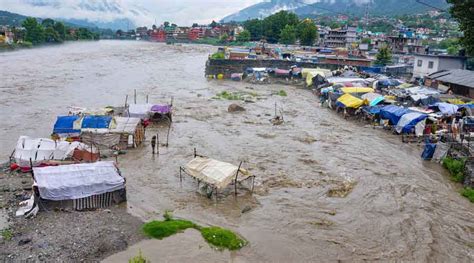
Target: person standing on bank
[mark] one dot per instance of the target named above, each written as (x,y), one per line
(153,144)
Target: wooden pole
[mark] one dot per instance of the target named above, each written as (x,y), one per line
(158,142)
(180,174)
(275,109)
(235,180)
(147,99)
(135,96)
(126,101)
(172,98)
(194,152)
(31,168)
(168,134)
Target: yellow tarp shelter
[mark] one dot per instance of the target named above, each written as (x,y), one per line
(357,90)
(309,73)
(349,101)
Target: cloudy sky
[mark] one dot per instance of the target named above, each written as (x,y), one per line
(183,12)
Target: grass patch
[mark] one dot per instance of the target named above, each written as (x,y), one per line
(166,228)
(282,93)
(229,96)
(455,168)
(216,236)
(468,192)
(7,234)
(222,238)
(139,258)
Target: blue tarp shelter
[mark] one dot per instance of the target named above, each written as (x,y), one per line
(65,124)
(393,113)
(446,108)
(96,122)
(408,121)
(372,110)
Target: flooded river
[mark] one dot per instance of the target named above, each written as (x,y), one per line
(401,208)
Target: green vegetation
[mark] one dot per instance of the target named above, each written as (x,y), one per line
(282,93)
(218,55)
(384,57)
(50,31)
(244,36)
(462,11)
(166,228)
(229,96)
(280,27)
(307,32)
(288,35)
(455,168)
(216,236)
(138,259)
(468,192)
(222,238)
(7,234)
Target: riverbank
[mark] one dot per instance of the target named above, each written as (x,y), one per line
(62,236)
(295,213)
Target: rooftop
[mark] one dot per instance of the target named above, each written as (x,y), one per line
(456,76)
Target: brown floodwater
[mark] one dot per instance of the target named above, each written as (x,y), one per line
(400,207)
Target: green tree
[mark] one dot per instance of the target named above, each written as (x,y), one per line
(255,27)
(453,50)
(307,32)
(48,22)
(213,24)
(275,23)
(384,57)
(51,36)
(60,29)
(34,31)
(224,37)
(244,36)
(462,11)
(288,35)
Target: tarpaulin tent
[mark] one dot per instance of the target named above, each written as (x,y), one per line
(446,108)
(236,76)
(373,98)
(349,101)
(357,90)
(215,173)
(141,111)
(131,131)
(282,72)
(39,150)
(163,109)
(408,121)
(76,181)
(372,110)
(309,73)
(65,125)
(393,113)
(96,122)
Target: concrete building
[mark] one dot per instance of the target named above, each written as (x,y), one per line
(340,38)
(425,64)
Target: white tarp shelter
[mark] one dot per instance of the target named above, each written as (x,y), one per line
(213,172)
(66,182)
(41,149)
(141,111)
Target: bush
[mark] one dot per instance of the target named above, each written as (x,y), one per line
(218,55)
(222,238)
(468,192)
(455,168)
(282,93)
(7,234)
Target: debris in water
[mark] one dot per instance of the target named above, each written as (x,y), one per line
(342,190)
(235,108)
(322,222)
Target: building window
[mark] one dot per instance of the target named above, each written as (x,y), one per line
(430,64)
(420,62)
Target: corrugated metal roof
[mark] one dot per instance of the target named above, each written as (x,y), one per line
(456,76)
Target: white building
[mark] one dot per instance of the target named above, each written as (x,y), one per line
(428,64)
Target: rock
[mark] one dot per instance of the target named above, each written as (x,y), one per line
(24,241)
(246,209)
(234,108)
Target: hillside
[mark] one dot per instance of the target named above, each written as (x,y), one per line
(350,7)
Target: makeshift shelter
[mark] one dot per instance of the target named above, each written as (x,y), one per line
(41,151)
(215,174)
(309,73)
(159,112)
(237,76)
(131,131)
(349,101)
(392,113)
(80,186)
(357,90)
(282,73)
(409,121)
(445,108)
(373,98)
(141,111)
(65,126)
(95,122)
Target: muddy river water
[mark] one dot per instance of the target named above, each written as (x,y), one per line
(400,208)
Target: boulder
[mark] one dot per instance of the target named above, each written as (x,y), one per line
(234,108)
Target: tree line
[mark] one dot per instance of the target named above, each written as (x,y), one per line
(282,27)
(50,31)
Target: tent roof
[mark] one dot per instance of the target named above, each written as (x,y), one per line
(96,122)
(216,173)
(76,181)
(357,90)
(125,125)
(455,76)
(65,124)
(349,101)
